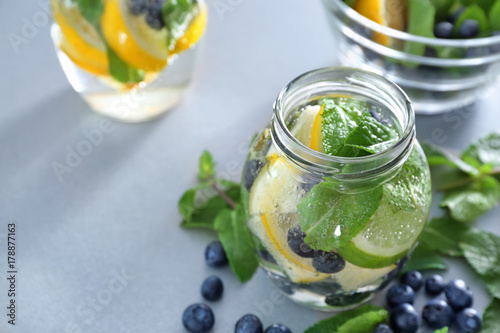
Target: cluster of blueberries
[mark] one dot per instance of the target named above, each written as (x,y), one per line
(468,29)
(152,10)
(452,310)
(199,318)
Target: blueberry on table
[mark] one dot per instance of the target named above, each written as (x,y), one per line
(405,319)
(400,293)
(443,30)
(468,321)
(215,256)
(250,172)
(383,328)
(212,288)
(249,323)
(438,314)
(137,7)
(296,243)
(434,285)
(458,294)
(198,318)
(328,262)
(468,29)
(413,279)
(277,328)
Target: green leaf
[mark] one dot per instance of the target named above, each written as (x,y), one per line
(421,23)
(468,202)
(207,166)
(442,8)
(237,242)
(485,150)
(177,15)
(439,156)
(423,259)
(352,319)
(91,10)
(444,235)
(494,16)
(368,137)
(120,70)
(480,251)
(474,12)
(200,205)
(331,218)
(490,317)
(443,330)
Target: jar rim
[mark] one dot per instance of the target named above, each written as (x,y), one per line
(327,163)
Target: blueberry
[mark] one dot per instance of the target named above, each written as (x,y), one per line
(438,314)
(430,52)
(308,182)
(137,7)
(249,323)
(250,172)
(475,52)
(400,293)
(383,328)
(458,294)
(443,30)
(198,318)
(454,17)
(277,328)
(413,279)
(154,16)
(296,243)
(434,285)
(328,262)
(375,115)
(212,288)
(468,321)
(468,29)
(215,256)
(405,319)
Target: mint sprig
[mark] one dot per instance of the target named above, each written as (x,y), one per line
(490,317)
(215,204)
(177,15)
(361,320)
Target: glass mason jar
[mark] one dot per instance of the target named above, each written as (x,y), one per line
(393,187)
(160,81)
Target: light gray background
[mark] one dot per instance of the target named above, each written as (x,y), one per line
(117,210)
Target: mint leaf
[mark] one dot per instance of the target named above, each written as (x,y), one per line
(200,205)
(207,166)
(423,259)
(485,150)
(494,16)
(474,12)
(444,235)
(237,242)
(468,202)
(490,317)
(368,137)
(421,23)
(443,330)
(438,156)
(177,15)
(331,219)
(333,324)
(365,322)
(91,10)
(120,70)
(480,251)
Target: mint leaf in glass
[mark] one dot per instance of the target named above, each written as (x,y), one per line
(468,202)
(442,330)
(120,70)
(177,15)
(360,320)
(237,242)
(91,10)
(331,218)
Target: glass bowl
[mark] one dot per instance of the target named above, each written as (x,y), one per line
(439,75)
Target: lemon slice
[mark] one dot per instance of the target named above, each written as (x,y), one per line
(132,39)
(389,13)
(316,142)
(78,38)
(272,206)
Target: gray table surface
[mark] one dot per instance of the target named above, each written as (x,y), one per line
(116,213)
